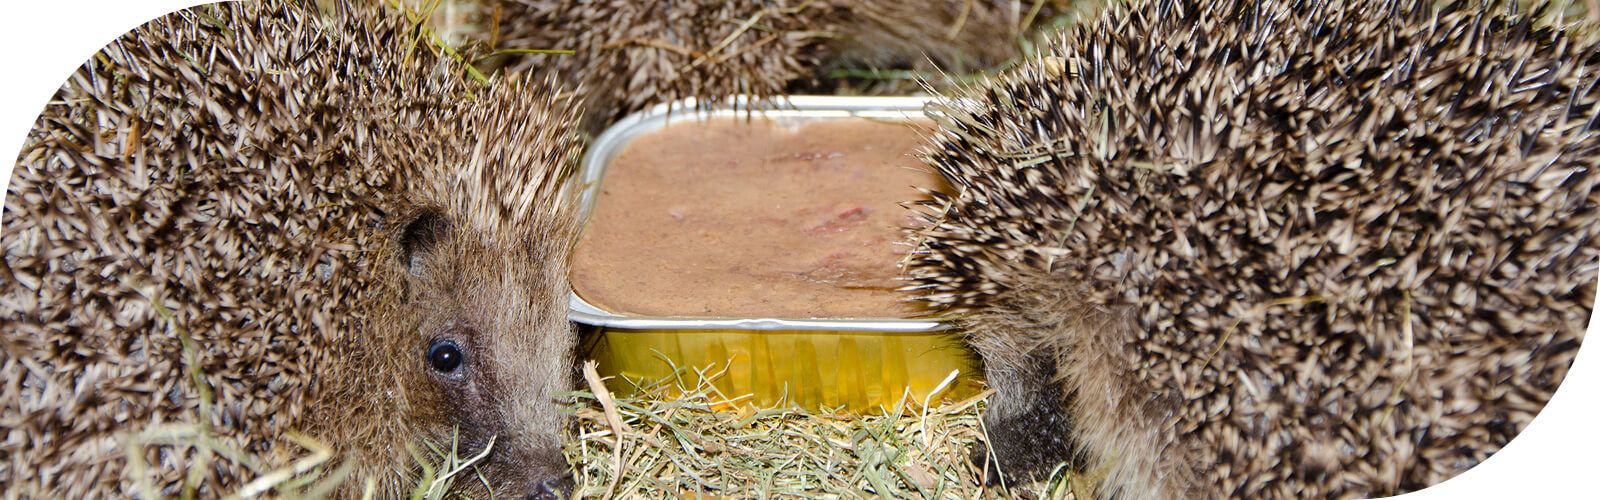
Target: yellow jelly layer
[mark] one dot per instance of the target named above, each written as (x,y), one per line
(857,372)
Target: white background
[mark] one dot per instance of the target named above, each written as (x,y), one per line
(42,42)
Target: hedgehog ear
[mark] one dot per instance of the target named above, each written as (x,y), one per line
(423,230)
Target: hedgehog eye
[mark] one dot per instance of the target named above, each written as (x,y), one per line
(444,356)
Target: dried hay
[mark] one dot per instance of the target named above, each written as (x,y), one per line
(710,445)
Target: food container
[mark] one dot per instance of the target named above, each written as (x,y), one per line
(854,364)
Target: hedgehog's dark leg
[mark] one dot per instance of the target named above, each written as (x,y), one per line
(1027,426)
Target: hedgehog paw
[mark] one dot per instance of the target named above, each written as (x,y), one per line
(1027,444)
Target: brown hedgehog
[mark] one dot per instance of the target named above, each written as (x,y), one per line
(630,55)
(1272,248)
(348,240)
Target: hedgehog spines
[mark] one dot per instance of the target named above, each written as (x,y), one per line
(235,166)
(1316,221)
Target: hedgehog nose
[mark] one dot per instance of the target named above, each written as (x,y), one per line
(552,489)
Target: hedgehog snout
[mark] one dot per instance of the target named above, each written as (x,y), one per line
(550,478)
(552,489)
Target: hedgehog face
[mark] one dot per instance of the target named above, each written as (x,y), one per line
(489,347)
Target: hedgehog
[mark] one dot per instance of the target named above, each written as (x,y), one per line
(269,220)
(1290,249)
(631,55)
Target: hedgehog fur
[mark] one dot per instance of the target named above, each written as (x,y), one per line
(1273,248)
(319,204)
(631,55)
(950,35)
